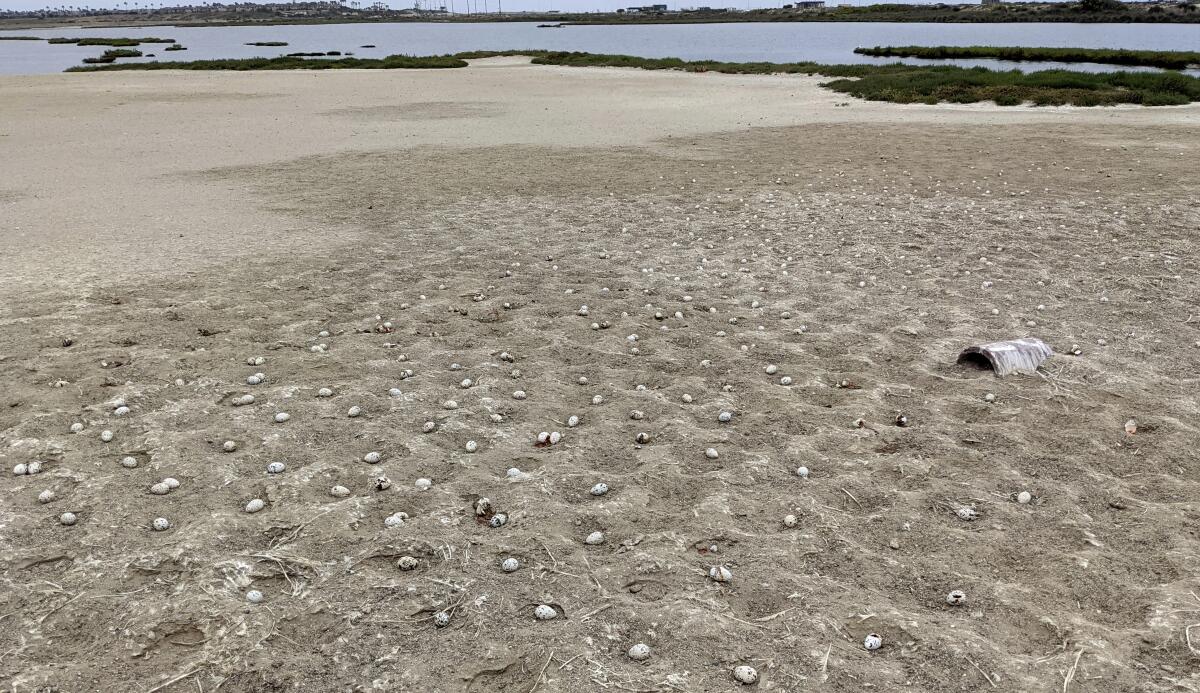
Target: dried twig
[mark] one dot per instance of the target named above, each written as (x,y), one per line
(1071,672)
(177,679)
(985,675)
(538,680)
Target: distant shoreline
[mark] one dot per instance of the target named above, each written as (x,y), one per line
(1086,12)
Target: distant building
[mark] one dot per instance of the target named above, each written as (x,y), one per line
(647,8)
(809,4)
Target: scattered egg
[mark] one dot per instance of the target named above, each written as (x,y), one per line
(255,505)
(545,612)
(67,519)
(510,565)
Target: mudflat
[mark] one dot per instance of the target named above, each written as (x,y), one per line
(469,258)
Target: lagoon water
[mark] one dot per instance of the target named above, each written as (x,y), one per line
(824,42)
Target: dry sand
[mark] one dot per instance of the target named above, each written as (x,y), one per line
(170,226)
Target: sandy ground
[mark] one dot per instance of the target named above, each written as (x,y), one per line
(159,230)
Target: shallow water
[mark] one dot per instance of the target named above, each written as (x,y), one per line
(825,42)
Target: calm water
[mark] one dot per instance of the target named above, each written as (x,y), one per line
(824,42)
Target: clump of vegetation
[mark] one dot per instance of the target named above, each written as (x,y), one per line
(313,55)
(175,47)
(1170,60)
(896,82)
(111,55)
(21,38)
(114,42)
(392,62)
(267,43)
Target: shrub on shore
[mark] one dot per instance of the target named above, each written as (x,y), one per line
(392,62)
(895,82)
(1170,60)
(114,42)
(267,43)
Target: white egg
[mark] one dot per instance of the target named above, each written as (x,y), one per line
(466,383)
(956,597)
(275,468)
(407,563)
(725,417)
(324,392)
(229,446)
(67,519)
(395,392)
(711,453)
(555,437)
(597,399)
(745,675)
(339,491)
(76,427)
(282,416)
(519,394)
(572,421)
(686,398)
(719,573)
(372,457)
(120,411)
(514,473)
(255,505)
(394,520)
(510,565)
(160,489)
(967,513)
(544,612)
(106,436)
(428,427)
(46,496)
(790,521)
(472,446)
(637,415)
(382,483)
(1024,497)
(254,597)
(639,652)
(873,641)
(498,520)
(129,462)
(161,524)
(802,472)
(785,380)
(354,411)
(600,489)
(450,404)
(771,369)
(424,484)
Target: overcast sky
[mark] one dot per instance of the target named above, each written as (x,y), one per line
(460,6)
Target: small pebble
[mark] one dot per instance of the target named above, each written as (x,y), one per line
(354,411)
